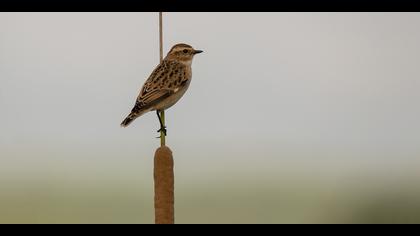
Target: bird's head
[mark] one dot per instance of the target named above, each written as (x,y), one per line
(183,53)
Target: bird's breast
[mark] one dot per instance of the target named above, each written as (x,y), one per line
(174,98)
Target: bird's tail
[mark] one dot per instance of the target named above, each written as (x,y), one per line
(131,117)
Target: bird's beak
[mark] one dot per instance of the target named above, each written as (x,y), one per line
(197,51)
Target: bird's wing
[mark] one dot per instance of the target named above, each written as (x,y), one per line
(155,96)
(164,81)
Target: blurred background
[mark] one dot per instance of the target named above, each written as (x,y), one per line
(290,118)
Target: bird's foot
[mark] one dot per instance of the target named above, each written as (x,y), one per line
(163,130)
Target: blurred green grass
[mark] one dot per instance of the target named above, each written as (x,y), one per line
(254,201)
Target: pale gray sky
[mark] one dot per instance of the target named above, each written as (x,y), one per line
(271,92)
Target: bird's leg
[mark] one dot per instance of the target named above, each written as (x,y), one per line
(162,127)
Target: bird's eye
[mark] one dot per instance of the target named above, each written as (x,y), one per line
(185,51)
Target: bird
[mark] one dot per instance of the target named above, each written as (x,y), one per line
(166,84)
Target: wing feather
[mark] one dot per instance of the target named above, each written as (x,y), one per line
(166,79)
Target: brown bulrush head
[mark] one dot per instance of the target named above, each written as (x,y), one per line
(164,186)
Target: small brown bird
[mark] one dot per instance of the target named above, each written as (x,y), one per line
(166,85)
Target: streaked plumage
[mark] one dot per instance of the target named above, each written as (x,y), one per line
(167,83)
